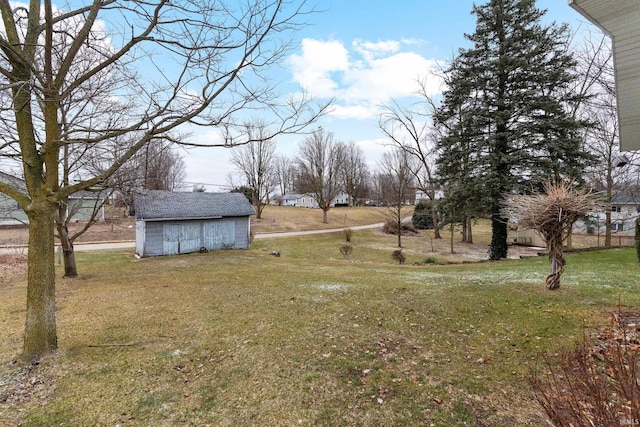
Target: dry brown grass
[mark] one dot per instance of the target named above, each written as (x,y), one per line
(277,219)
(309,338)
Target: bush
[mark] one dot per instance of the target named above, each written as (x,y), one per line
(596,384)
(391,227)
(346,250)
(422,218)
(430,260)
(398,256)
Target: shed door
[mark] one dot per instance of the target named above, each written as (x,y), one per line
(181,238)
(171,239)
(219,235)
(189,237)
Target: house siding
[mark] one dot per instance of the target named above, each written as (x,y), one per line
(10,213)
(83,209)
(140,237)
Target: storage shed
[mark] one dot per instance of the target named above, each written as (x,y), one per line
(170,223)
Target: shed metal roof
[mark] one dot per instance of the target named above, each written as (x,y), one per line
(165,205)
(621,20)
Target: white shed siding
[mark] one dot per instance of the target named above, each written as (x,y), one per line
(140,237)
(219,234)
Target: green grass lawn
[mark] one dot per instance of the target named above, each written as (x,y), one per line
(310,338)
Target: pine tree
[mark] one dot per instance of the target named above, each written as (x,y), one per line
(505,112)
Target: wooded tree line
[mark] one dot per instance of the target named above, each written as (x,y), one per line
(323,167)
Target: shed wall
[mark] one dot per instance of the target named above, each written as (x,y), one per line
(156,238)
(140,237)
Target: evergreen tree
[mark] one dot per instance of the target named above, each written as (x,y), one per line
(504,113)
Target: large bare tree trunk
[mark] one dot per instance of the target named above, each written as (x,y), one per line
(68,254)
(607,228)
(436,225)
(70,269)
(40,335)
(325,219)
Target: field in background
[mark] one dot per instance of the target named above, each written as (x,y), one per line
(276,219)
(308,338)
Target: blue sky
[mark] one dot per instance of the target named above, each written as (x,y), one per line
(365,53)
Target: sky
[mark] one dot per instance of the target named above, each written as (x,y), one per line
(365,53)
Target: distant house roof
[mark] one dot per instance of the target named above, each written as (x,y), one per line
(291,196)
(82,194)
(625,199)
(165,205)
(90,195)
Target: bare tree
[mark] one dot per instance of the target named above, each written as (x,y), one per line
(354,173)
(395,182)
(595,67)
(86,105)
(285,173)
(217,53)
(255,161)
(160,167)
(319,162)
(410,130)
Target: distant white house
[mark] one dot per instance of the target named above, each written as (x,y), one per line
(421,196)
(10,212)
(308,201)
(83,205)
(625,209)
(302,200)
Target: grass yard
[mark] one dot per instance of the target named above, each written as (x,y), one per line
(309,338)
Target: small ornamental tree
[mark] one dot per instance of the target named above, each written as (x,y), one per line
(552,214)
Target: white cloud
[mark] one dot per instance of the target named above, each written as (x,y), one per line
(371,50)
(360,79)
(314,67)
(363,111)
(379,80)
